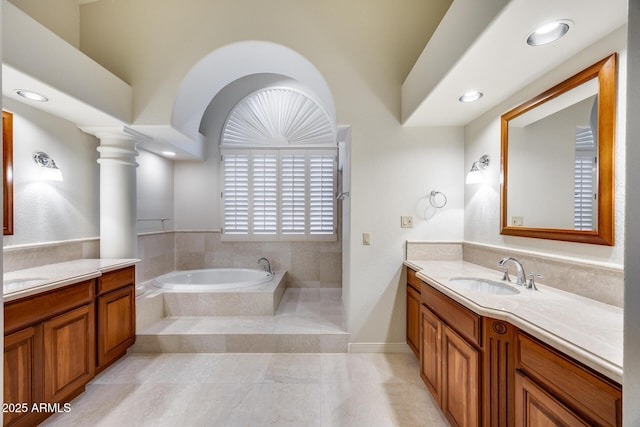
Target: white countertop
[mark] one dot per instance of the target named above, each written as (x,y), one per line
(587,330)
(31,281)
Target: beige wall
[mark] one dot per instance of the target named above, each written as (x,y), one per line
(60,16)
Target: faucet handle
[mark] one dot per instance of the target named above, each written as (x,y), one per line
(532,283)
(505,276)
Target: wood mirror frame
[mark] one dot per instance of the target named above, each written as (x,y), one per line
(605,72)
(7,172)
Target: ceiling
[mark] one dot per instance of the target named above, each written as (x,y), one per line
(498,62)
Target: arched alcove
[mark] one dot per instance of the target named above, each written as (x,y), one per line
(235,61)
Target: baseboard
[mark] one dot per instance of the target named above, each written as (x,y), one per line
(378,347)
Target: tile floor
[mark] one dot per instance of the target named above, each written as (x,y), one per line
(256,389)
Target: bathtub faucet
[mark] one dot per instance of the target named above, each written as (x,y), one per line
(268,266)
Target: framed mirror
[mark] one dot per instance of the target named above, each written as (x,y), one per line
(7,172)
(557,160)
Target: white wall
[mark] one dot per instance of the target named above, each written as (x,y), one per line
(542,205)
(48,211)
(482,136)
(631,382)
(155,192)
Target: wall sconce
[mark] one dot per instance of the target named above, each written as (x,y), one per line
(49,171)
(474,176)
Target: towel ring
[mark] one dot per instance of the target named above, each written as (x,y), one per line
(437,199)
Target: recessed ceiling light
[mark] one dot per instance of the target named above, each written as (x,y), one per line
(549,32)
(169,153)
(472,95)
(33,96)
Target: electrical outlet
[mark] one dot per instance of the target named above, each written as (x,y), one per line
(406,221)
(517,221)
(366,239)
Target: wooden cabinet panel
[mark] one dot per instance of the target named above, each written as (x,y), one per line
(116,279)
(464,321)
(69,353)
(431,352)
(116,324)
(498,373)
(30,310)
(460,380)
(593,398)
(413,320)
(413,280)
(536,408)
(20,376)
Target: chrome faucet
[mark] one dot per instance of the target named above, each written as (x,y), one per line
(268,266)
(521,279)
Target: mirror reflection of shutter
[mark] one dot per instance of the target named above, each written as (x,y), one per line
(236,193)
(265,193)
(584,179)
(293,193)
(322,172)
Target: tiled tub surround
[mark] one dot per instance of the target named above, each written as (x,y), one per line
(600,282)
(308,264)
(259,300)
(587,330)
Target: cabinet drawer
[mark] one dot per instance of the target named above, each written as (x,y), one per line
(29,310)
(591,397)
(413,280)
(116,279)
(463,321)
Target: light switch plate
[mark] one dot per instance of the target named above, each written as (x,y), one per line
(406,221)
(366,239)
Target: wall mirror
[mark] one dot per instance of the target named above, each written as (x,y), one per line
(557,160)
(7,172)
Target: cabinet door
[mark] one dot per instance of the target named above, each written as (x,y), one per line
(536,408)
(430,352)
(116,324)
(460,380)
(20,376)
(69,353)
(413,320)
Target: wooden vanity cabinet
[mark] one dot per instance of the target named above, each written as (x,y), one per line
(485,371)
(449,356)
(116,315)
(413,312)
(49,350)
(552,389)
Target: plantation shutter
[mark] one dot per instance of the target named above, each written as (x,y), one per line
(279,194)
(584,192)
(294,193)
(584,178)
(322,167)
(265,193)
(235,170)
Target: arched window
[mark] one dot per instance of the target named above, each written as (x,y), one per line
(279,160)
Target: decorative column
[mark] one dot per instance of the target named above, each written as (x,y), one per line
(118,191)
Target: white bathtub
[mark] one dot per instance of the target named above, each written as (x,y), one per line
(211,279)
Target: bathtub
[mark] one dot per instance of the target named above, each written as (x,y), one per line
(211,280)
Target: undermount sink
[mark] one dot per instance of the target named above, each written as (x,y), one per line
(482,286)
(25,282)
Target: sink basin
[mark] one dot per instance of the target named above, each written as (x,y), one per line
(482,286)
(25,282)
